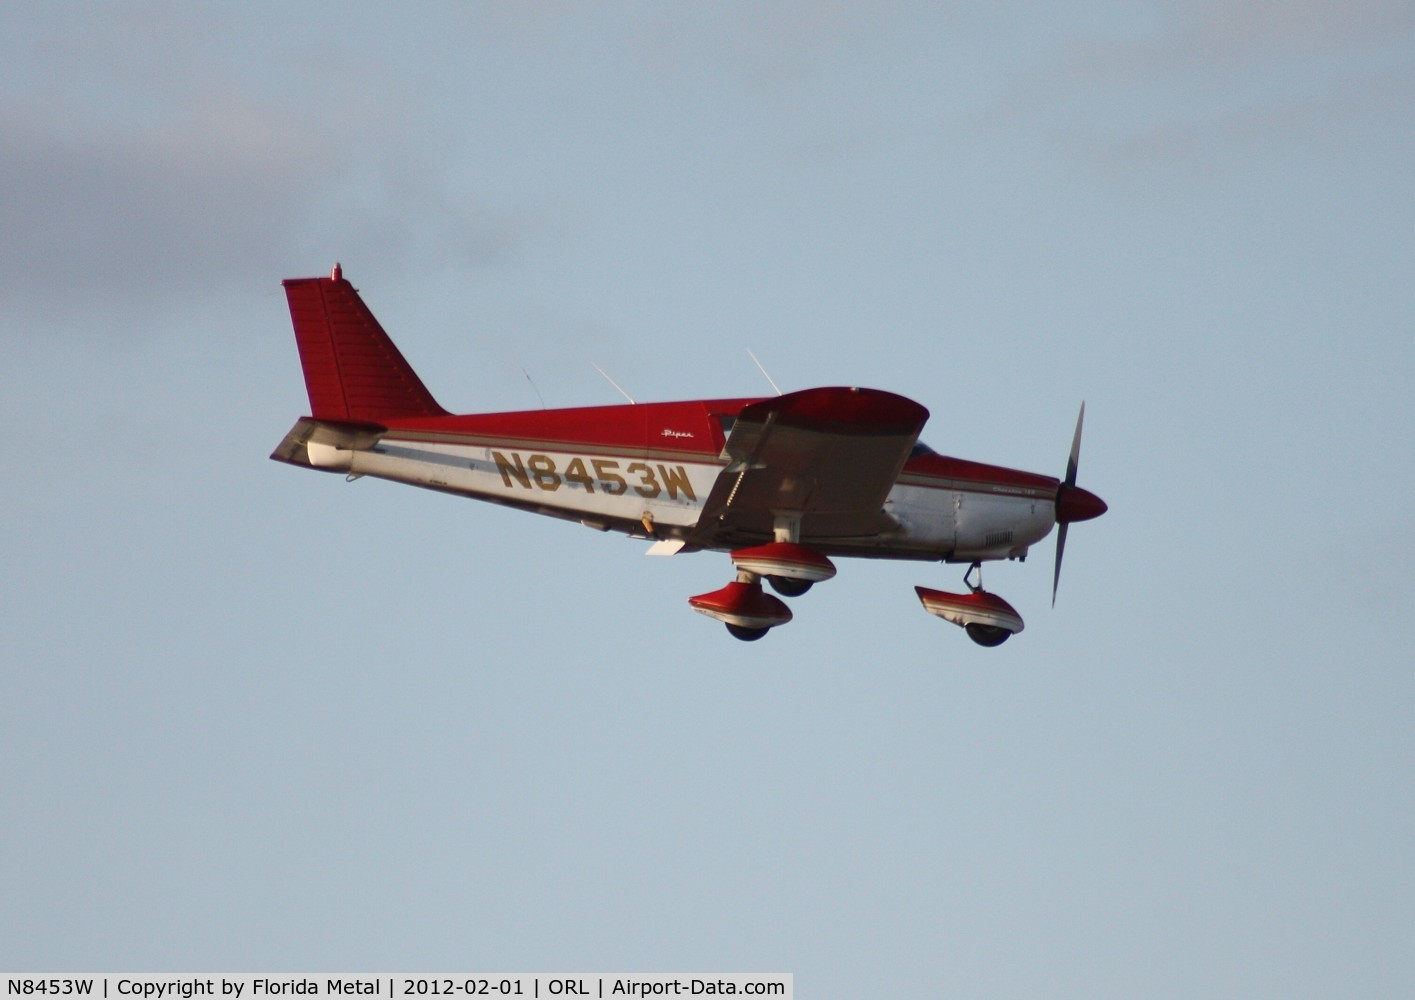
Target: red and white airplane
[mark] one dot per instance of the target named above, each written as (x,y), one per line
(781,483)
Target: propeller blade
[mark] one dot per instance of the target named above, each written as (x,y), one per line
(1070,481)
(1075,448)
(1060,548)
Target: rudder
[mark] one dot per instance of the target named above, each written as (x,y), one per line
(353,371)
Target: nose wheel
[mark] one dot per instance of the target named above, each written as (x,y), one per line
(987,618)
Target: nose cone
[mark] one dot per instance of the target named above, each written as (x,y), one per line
(1076,504)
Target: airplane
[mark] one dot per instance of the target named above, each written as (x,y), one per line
(780,483)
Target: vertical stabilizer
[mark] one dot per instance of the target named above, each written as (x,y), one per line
(353,372)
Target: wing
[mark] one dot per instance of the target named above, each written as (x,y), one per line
(828,456)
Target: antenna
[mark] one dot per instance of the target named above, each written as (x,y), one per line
(612,382)
(764,371)
(534,386)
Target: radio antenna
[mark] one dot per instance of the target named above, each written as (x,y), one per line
(613,383)
(764,371)
(534,386)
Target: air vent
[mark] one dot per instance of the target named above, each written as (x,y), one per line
(998,538)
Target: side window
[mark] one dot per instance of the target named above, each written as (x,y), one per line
(726,421)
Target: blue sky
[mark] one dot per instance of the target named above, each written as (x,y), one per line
(258,719)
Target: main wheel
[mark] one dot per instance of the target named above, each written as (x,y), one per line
(984,635)
(788,586)
(746,634)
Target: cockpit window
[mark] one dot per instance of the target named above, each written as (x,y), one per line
(920,449)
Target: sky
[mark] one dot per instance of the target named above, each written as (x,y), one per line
(257,719)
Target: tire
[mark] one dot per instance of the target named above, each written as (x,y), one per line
(747,634)
(986,635)
(788,586)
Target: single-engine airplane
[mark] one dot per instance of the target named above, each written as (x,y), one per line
(780,483)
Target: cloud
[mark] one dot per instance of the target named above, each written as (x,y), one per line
(1218,33)
(230,196)
(164,158)
(1211,80)
(92,213)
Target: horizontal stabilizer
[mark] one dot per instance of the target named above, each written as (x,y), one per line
(321,444)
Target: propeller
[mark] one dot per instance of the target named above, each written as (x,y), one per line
(1072,502)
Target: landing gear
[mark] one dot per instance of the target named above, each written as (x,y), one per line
(987,618)
(744,606)
(788,586)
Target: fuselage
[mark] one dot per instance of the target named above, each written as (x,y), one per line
(647,470)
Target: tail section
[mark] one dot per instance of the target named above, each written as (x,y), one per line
(353,373)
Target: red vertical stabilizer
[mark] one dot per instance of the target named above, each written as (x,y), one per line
(353,373)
